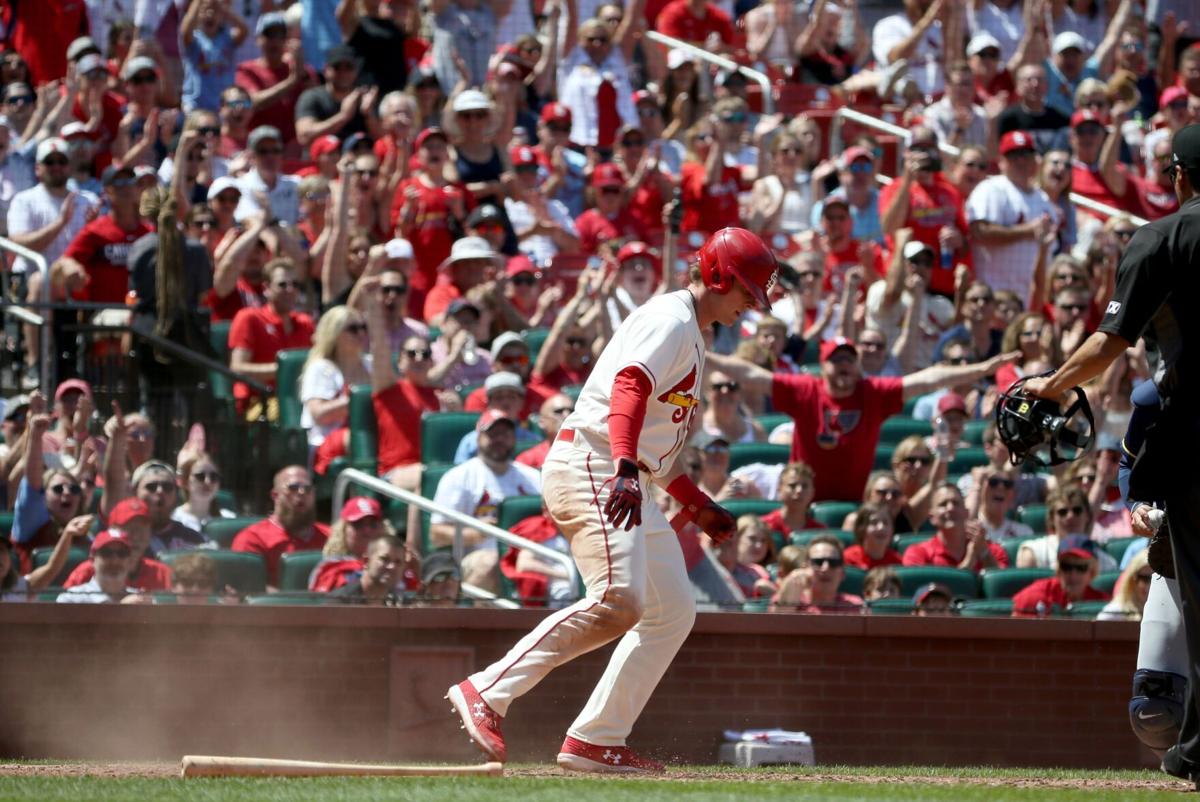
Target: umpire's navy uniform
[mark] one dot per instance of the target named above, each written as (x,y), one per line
(1158,286)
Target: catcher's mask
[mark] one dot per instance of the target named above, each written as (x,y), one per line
(1038,430)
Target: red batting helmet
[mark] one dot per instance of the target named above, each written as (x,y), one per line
(736,253)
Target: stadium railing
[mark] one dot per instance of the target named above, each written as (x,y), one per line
(719,61)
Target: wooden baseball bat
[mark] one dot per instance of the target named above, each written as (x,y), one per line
(217,766)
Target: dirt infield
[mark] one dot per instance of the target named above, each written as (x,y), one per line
(171,770)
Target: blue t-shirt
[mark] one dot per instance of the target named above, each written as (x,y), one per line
(319,30)
(1060,93)
(208,66)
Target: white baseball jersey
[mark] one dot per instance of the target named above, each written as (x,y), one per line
(662,339)
(998,200)
(474,489)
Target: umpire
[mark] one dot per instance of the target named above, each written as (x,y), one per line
(1157,284)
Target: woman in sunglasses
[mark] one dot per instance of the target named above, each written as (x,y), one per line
(782,200)
(200,480)
(1131,591)
(883,489)
(919,472)
(993,499)
(336,362)
(1068,512)
(1030,334)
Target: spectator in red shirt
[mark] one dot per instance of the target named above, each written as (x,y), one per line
(839,413)
(130,520)
(276,79)
(554,411)
(510,353)
(610,219)
(696,21)
(873,532)
(1095,172)
(470,260)
(258,335)
(824,576)
(1072,581)
(924,200)
(344,556)
(41,32)
(292,525)
(960,542)
(796,488)
(710,185)
(843,252)
(95,266)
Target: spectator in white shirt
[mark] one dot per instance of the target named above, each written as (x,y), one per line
(889,300)
(1009,215)
(956,118)
(112,559)
(268,179)
(1003,19)
(595,72)
(914,35)
(543,225)
(991,502)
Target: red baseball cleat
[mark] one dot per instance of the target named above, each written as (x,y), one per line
(480,721)
(578,755)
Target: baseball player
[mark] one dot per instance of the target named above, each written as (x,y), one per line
(629,425)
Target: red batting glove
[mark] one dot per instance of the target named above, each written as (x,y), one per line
(624,505)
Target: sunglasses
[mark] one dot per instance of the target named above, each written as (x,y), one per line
(141,435)
(419,354)
(727,387)
(515,359)
(66,490)
(143,78)
(647,111)
(1072,307)
(394,289)
(356,328)
(576,342)
(1063,512)
(1074,568)
(316,197)
(957,360)
(299,488)
(998,481)
(890,492)
(826,562)
(734,119)
(989,54)
(1124,234)
(917,460)
(287,285)
(1030,335)
(209,130)
(237,105)
(524,281)
(268,151)
(159,487)
(206,222)
(55,162)
(922,261)
(207,476)
(610,190)
(114,554)
(596,40)
(368,173)
(633,143)
(22,100)
(229,197)
(861,167)
(975,165)
(473,115)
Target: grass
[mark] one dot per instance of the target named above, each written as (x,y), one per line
(867,784)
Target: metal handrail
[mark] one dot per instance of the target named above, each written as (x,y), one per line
(867,121)
(354,476)
(719,61)
(43,267)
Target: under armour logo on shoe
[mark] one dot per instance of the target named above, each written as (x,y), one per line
(612,757)
(478,710)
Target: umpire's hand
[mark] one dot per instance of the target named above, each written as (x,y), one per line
(624,505)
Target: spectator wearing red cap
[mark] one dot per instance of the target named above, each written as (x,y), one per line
(1095,172)
(276,79)
(709,185)
(594,81)
(566,167)
(130,522)
(424,210)
(1072,582)
(506,392)
(610,219)
(949,422)
(360,523)
(960,541)
(639,269)
(112,556)
(1009,217)
(292,525)
(543,225)
(256,336)
(476,488)
(525,291)
(323,152)
(838,414)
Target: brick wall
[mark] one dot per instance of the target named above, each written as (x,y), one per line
(81,681)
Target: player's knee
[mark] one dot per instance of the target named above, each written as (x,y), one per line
(1156,707)
(620,611)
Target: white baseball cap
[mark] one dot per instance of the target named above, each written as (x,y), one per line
(472,100)
(71,129)
(981,42)
(398,249)
(914,248)
(677,57)
(503,380)
(506,339)
(49,146)
(469,248)
(1068,39)
(136,65)
(92,62)
(221,184)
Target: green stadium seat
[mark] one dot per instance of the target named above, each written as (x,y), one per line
(812,352)
(904,541)
(962,583)
(1085,609)
(1117,546)
(898,427)
(218,337)
(223,530)
(883,457)
(772,420)
(6,523)
(77,555)
(441,433)
(1106,581)
(973,431)
(289,365)
(226,500)
(246,572)
(295,568)
(750,506)
(535,339)
(516,509)
(891,607)
(429,482)
(832,513)
(572,391)
(909,406)
(805,536)
(756,605)
(50,593)
(286,599)
(363,448)
(986,608)
(741,454)
(1013,545)
(853,582)
(967,458)
(1004,583)
(465,390)
(1033,516)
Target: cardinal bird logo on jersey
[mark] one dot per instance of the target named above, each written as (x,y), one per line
(680,396)
(835,425)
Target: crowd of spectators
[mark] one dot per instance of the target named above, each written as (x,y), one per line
(413,191)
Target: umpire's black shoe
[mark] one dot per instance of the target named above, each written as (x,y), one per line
(1158,553)
(1177,765)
